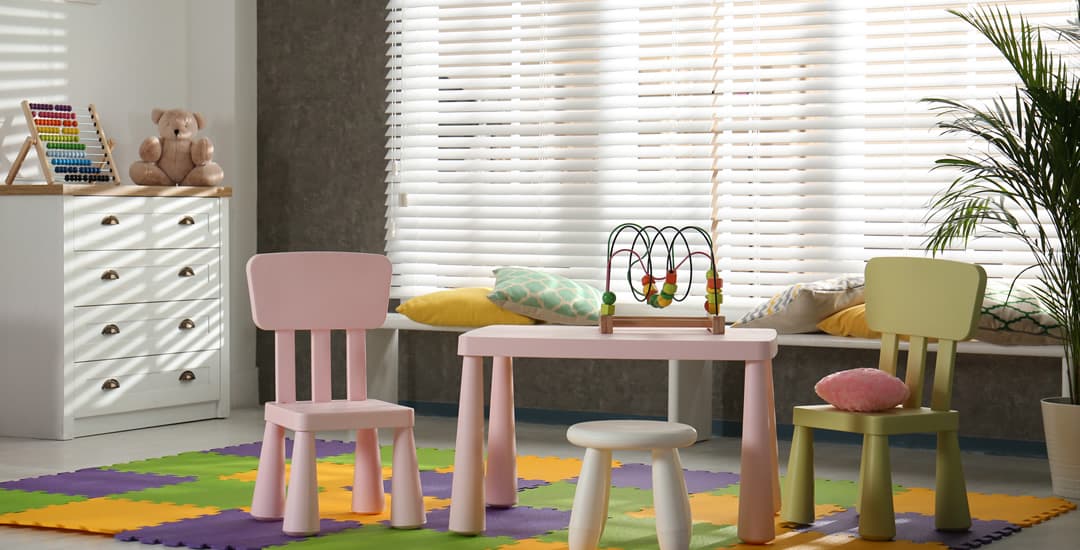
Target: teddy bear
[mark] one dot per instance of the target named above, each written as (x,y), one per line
(175,157)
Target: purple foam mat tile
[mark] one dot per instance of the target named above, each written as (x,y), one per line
(94,482)
(436,484)
(639,476)
(323,448)
(227,530)
(520,522)
(920,529)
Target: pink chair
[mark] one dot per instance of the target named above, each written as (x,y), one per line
(319,292)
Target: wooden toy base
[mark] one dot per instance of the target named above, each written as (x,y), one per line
(714,323)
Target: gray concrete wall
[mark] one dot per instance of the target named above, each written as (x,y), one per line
(321,66)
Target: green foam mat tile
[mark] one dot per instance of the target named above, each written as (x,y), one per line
(219,493)
(13,500)
(200,464)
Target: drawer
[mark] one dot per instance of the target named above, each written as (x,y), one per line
(142,383)
(113,332)
(129,276)
(125,223)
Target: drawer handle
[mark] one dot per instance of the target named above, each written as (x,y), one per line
(187,376)
(110,275)
(110,220)
(187,324)
(187,220)
(186,272)
(110,329)
(110,384)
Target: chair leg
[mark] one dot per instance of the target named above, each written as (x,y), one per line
(862,473)
(876,518)
(302,500)
(268,502)
(367,492)
(673,522)
(951,512)
(798,506)
(406,499)
(590,508)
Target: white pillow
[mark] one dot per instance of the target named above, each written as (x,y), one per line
(800,307)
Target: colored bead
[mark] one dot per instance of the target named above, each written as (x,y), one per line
(653,300)
(647,279)
(663,302)
(671,277)
(710,273)
(711,308)
(609,298)
(670,288)
(713,297)
(607,309)
(714,283)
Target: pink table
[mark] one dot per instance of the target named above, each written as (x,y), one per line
(759,496)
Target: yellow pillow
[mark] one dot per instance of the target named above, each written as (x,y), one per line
(848,322)
(852,322)
(460,307)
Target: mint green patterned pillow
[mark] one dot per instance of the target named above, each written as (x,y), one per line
(545,297)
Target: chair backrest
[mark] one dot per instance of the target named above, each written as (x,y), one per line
(319,292)
(923,298)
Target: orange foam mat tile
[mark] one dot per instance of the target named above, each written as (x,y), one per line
(105,515)
(1024,511)
(810,540)
(337,505)
(724,510)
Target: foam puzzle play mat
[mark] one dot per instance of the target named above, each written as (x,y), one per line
(200,500)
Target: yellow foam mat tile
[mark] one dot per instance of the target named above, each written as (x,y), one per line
(1024,511)
(330,475)
(531,544)
(544,468)
(338,505)
(105,515)
(724,510)
(819,541)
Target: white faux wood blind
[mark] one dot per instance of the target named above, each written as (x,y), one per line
(521,132)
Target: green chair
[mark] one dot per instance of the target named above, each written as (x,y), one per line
(923,299)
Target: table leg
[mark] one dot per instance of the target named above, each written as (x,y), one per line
(467,489)
(502,441)
(756,467)
(774,453)
(690,385)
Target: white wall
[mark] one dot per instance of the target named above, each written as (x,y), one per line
(127,57)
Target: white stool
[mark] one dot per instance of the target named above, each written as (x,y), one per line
(589,514)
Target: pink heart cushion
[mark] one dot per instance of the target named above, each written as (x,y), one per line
(862,390)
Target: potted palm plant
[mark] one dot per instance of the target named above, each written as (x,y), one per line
(1025,183)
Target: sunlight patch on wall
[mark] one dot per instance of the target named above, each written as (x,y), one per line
(33,66)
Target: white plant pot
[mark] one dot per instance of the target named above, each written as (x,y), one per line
(1061,423)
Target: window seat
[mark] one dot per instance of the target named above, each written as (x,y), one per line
(689,382)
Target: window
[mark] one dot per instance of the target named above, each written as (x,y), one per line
(521,133)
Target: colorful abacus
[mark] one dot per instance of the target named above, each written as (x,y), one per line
(641,248)
(72,148)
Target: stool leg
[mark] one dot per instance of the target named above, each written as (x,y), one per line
(673,522)
(589,513)
(302,500)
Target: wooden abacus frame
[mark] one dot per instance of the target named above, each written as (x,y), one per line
(34,140)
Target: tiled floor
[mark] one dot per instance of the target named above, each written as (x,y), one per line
(26,457)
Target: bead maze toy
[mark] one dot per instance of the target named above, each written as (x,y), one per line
(646,240)
(72,147)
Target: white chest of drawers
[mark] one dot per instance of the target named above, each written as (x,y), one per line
(113,308)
